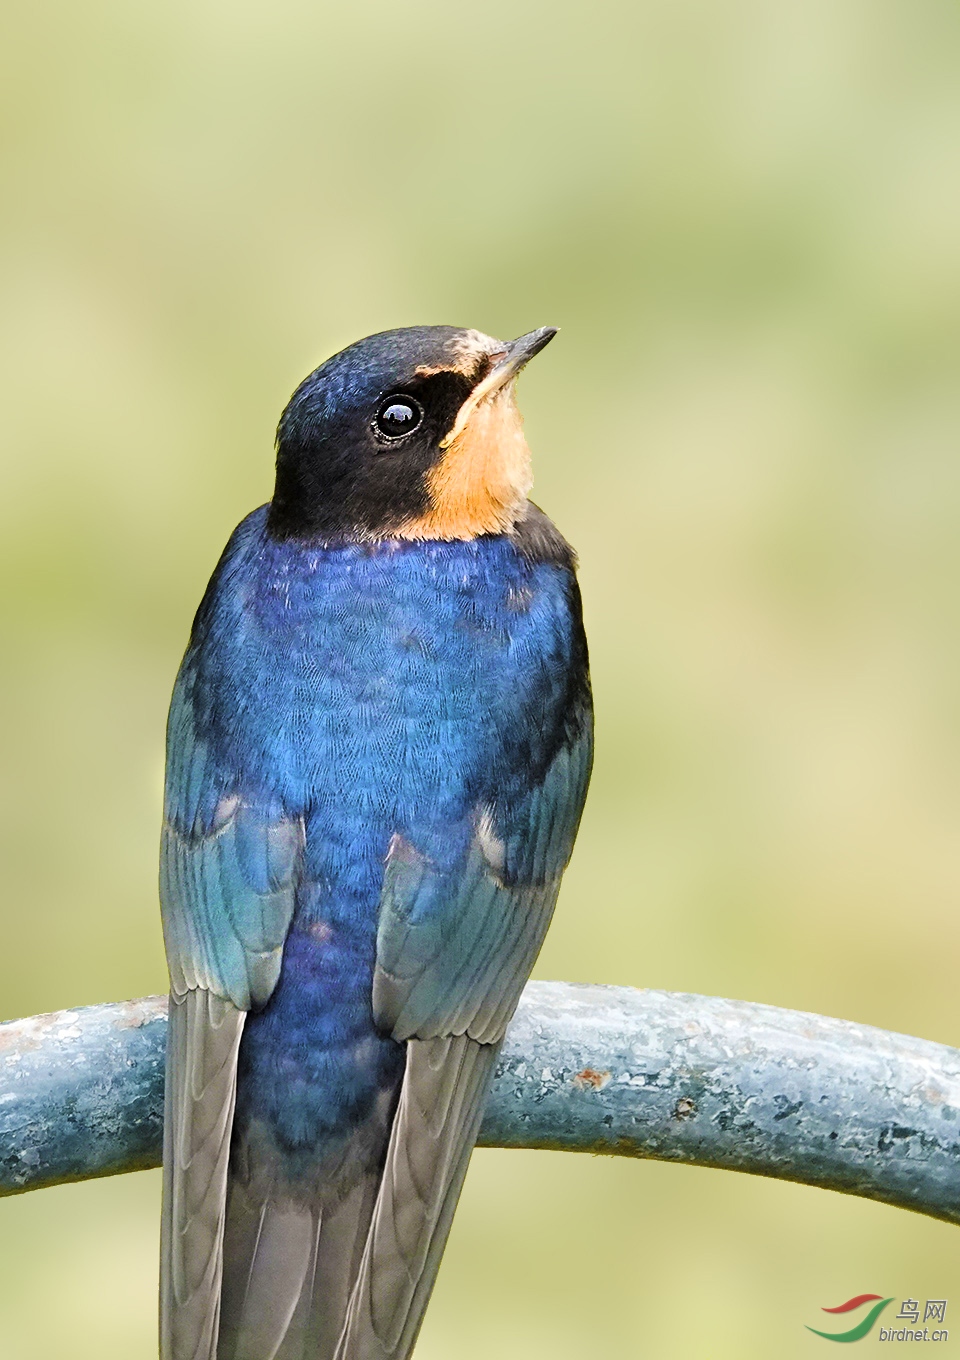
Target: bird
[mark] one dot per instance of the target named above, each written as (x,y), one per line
(378,751)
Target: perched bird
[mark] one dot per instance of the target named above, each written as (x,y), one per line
(378,751)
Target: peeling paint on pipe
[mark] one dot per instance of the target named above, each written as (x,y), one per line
(665,1075)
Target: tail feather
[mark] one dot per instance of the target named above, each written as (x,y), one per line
(269,1253)
(348,1277)
(288,1272)
(340,1250)
(203,1038)
(423,1287)
(436,1125)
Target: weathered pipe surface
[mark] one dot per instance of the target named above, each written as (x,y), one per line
(81,1093)
(584,1069)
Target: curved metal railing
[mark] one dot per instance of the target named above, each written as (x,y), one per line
(594,1069)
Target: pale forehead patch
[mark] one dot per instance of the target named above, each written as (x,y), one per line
(467,352)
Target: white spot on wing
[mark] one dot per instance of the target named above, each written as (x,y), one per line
(492,847)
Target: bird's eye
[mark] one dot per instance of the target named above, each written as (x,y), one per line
(398,416)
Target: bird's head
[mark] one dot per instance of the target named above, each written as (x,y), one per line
(411,433)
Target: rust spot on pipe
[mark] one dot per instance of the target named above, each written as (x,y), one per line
(685,1108)
(590,1080)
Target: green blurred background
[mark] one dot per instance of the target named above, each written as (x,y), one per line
(745,216)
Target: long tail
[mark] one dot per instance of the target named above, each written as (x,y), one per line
(203,1037)
(349,1279)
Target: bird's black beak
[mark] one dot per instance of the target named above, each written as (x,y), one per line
(506,368)
(520,352)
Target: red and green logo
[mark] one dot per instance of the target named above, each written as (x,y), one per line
(858,1332)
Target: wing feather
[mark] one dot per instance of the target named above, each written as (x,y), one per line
(228,871)
(455,946)
(454,949)
(435,1128)
(203,1037)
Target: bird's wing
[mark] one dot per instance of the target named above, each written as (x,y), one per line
(229,863)
(454,950)
(456,946)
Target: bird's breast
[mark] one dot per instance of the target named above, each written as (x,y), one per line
(354,672)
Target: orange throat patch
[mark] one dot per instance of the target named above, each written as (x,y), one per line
(482,480)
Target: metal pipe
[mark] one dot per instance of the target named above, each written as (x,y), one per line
(666,1075)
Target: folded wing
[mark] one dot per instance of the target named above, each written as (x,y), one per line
(455,948)
(229,866)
